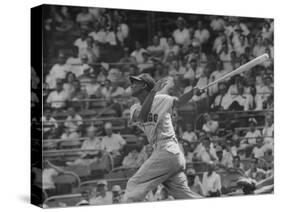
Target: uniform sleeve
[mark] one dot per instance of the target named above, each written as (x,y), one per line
(133,109)
(163,104)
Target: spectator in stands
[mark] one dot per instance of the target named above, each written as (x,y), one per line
(57,98)
(122,30)
(189,72)
(238,40)
(219,41)
(259,47)
(78,94)
(138,52)
(189,135)
(201,34)
(92,50)
(114,75)
(49,171)
(50,125)
(110,36)
(58,71)
(84,18)
(156,50)
(73,121)
(251,172)
(133,159)
(93,88)
(115,91)
(205,151)
(92,142)
(259,149)
(61,19)
(218,73)
(147,62)
(196,68)
(170,47)
(263,90)
(217,23)
(211,182)
(181,34)
(223,100)
(116,194)
(81,42)
(82,67)
(253,133)
(103,196)
(127,60)
(86,78)
(194,182)
(94,32)
(210,126)
(237,164)
(71,138)
(242,100)
(266,31)
(224,55)
(224,157)
(86,194)
(268,130)
(68,84)
(189,151)
(112,142)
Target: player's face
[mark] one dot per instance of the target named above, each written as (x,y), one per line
(137,87)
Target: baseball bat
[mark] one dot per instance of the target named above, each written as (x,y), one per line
(245,67)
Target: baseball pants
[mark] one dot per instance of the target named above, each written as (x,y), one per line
(162,167)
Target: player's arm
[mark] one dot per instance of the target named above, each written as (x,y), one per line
(186,97)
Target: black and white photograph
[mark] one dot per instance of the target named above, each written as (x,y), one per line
(132,106)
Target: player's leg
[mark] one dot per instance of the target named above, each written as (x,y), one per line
(178,188)
(157,169)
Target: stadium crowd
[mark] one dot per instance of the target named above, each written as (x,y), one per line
(90,54)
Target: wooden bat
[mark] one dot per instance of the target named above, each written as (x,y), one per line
(247,66)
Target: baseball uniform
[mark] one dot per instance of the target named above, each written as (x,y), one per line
(167,163)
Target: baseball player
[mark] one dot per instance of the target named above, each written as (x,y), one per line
(167,163)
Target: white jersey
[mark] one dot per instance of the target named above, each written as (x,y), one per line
(158,126)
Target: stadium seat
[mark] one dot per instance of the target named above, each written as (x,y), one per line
(63,200)
(66,182)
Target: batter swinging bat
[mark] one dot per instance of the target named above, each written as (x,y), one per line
(247,66)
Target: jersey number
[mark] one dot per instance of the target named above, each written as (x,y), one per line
(152,117)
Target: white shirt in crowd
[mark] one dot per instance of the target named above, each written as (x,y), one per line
(223,100)
(49,124)
(48,174)
(211,183)
(202,35)
(92,144)
(190,136)
(182,36)
(217,24)
(214,76)
(251,136)
(245,100)
(58,71)
(72,123)
(113,143)
(210,126)
(81,45)
(259,151)
(57,99)
(138,55)
(268,132)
